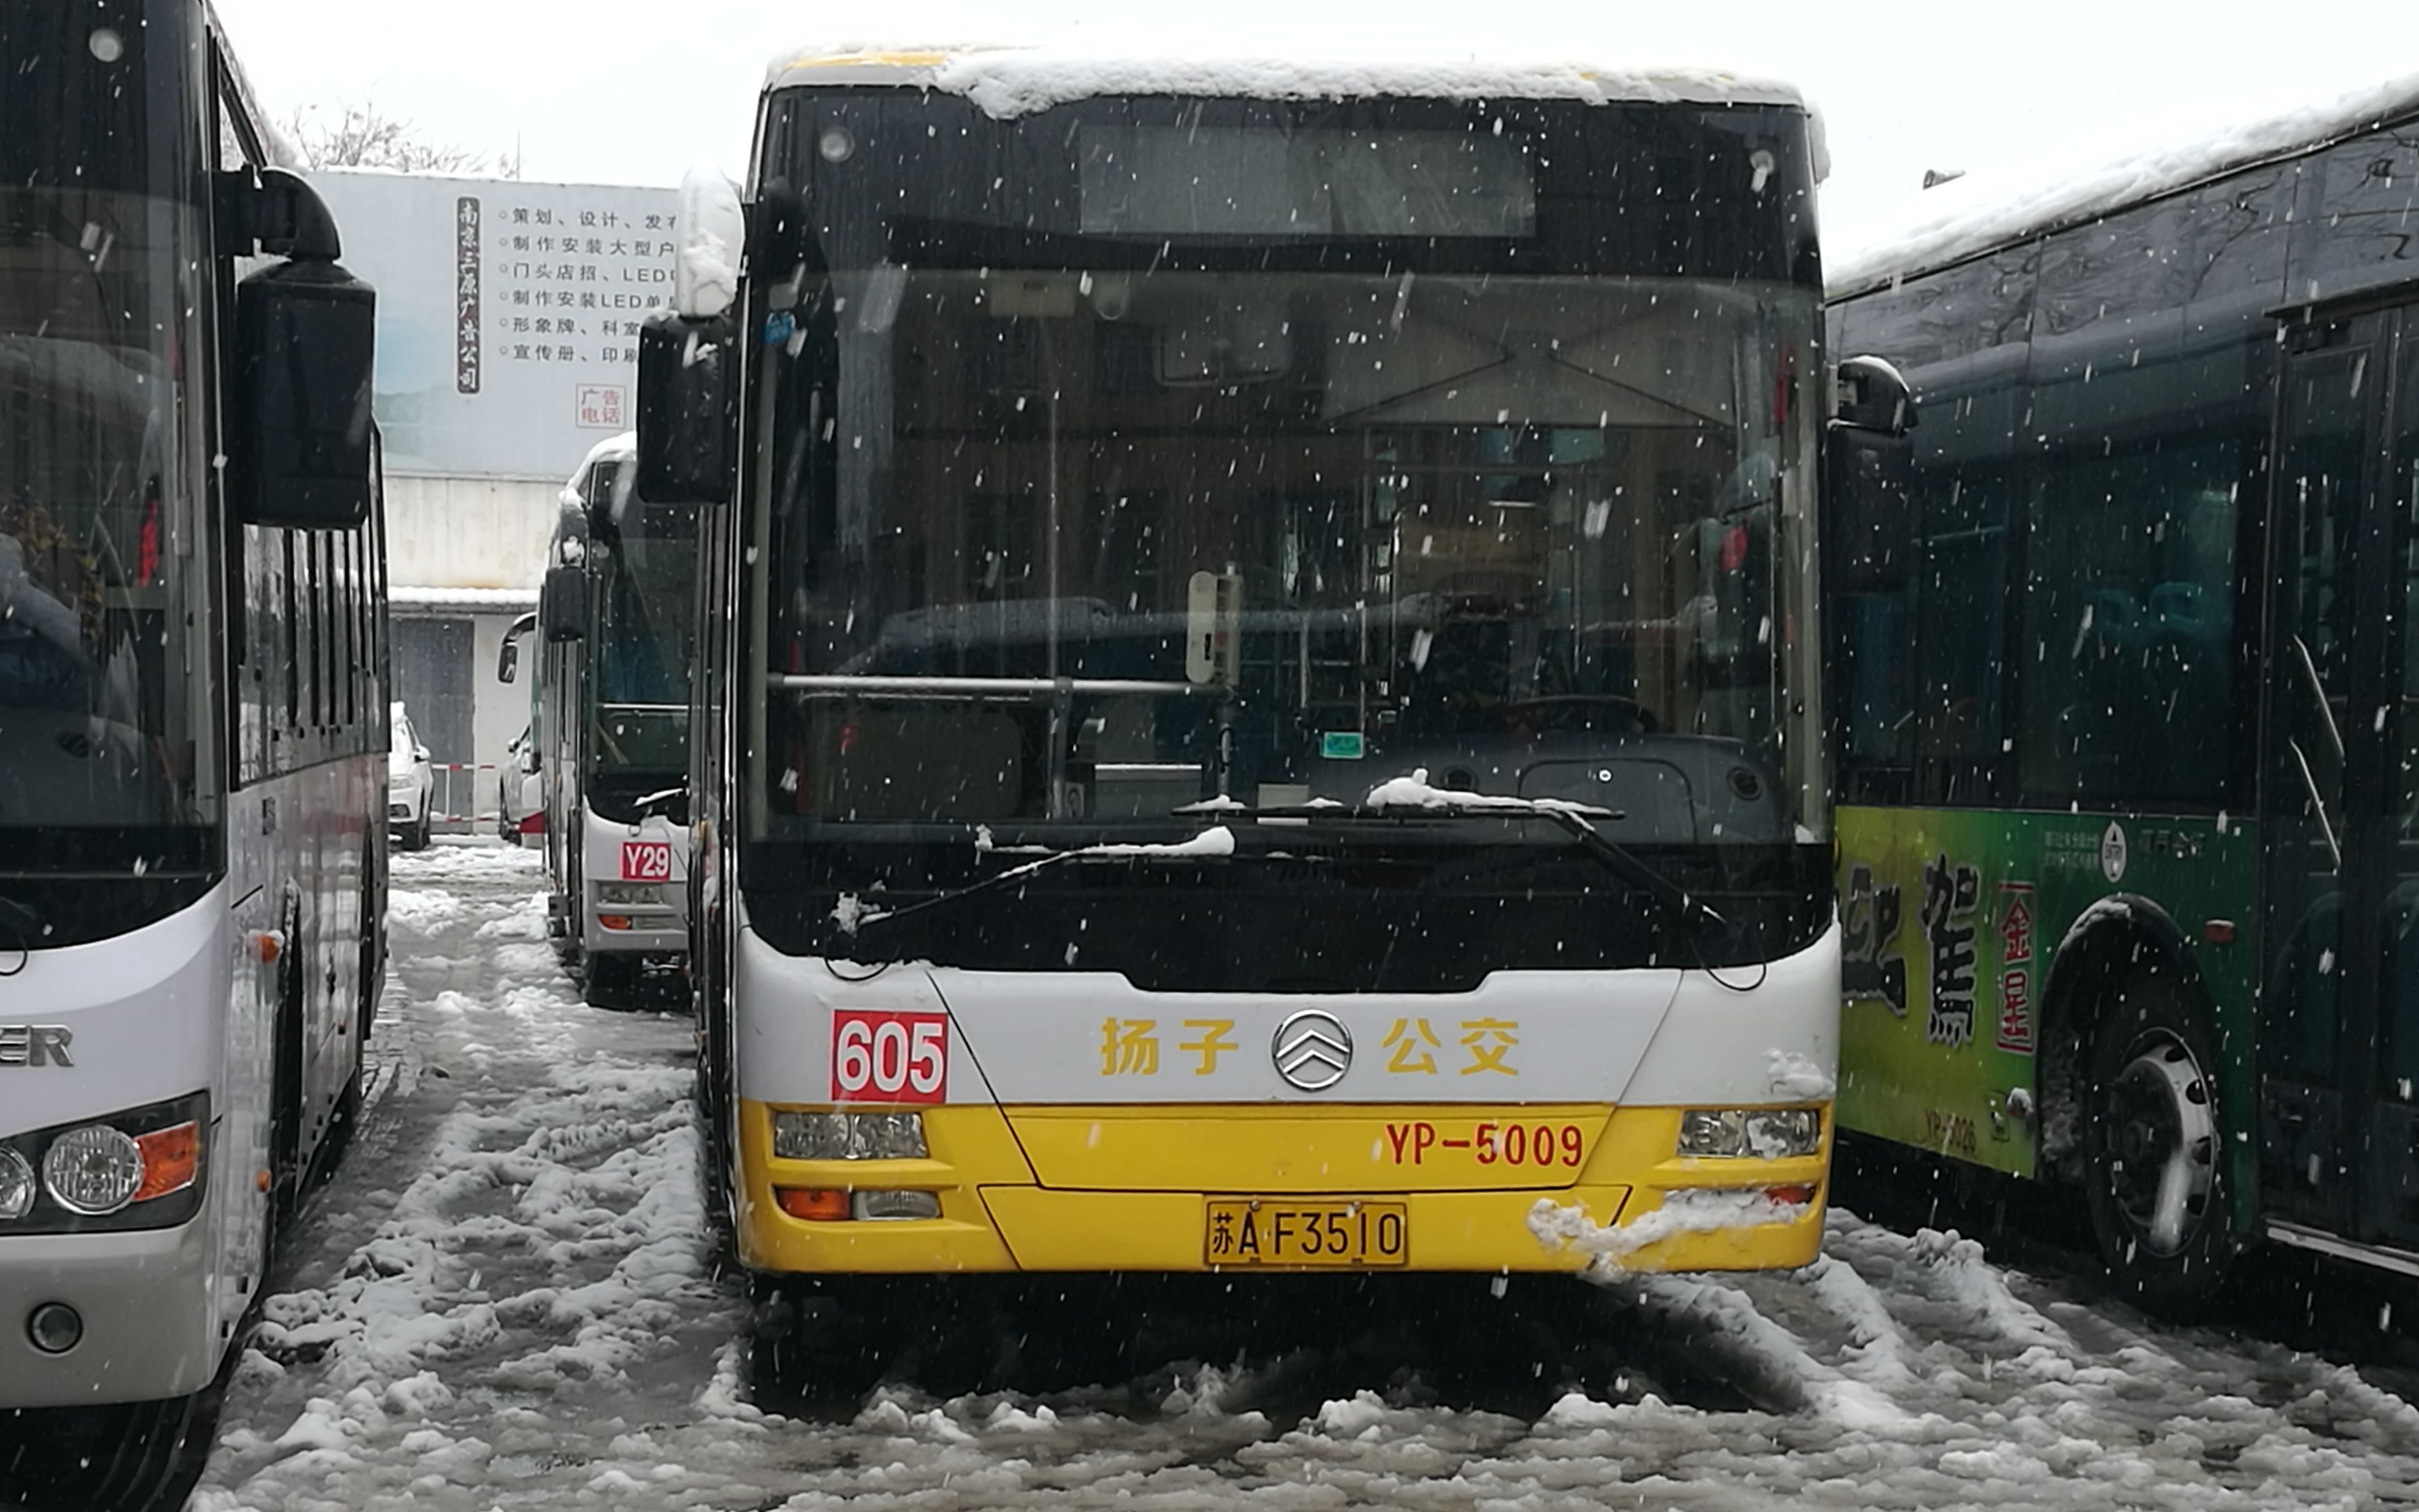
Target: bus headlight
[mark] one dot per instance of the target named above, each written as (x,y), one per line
(1762,1133)
(848,1137)
(890,1207)
(93,1170)
(17,1189)
(630,894)
(138,1168)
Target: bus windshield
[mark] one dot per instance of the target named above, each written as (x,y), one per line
(99,707)
(1095,545)
(643,558)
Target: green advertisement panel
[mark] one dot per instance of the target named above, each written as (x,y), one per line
(1950,920)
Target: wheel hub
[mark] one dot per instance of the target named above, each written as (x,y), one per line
(2163,1137)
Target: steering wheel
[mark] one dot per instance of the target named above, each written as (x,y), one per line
(1573,711)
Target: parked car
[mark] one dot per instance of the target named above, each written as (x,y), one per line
(521,798)
(411,783)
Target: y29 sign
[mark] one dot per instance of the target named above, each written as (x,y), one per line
(646,860)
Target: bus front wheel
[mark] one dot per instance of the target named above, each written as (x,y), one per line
(2154,1146)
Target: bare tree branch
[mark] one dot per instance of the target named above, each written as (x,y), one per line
(364,137)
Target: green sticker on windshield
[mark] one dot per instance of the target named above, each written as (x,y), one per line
(1341,744)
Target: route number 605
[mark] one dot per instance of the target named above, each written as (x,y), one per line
(889,1057)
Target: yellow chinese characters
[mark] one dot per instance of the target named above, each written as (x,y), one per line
(1489,1040)
(1406,1040)
(1129,1047)
(1212,1043)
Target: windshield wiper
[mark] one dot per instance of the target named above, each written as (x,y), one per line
(647,805)
(20,927)
(1577,820)
(1217,842)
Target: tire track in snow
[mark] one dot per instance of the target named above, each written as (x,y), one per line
(542,1251)
(1974,1393)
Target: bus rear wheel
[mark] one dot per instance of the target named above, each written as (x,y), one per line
(2154,1147)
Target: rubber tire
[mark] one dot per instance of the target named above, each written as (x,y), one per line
(427,831)
(822,1342)
(2183,1286)
(610,981)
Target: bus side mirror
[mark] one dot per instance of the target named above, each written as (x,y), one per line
(1868,479)
(304,349)
(687,409)
(688,365)
(562,603)
(298,431)
(508,656)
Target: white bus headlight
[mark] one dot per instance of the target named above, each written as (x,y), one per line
(92,1170)
(848,1137)
(1762,1133)
(890,1207)
(630,894)
(17,1189)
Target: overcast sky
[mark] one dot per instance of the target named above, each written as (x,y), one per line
(633,91)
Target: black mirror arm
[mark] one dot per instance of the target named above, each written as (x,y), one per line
(1873,396)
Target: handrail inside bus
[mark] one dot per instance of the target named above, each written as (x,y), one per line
(2319,692)
(2310,780)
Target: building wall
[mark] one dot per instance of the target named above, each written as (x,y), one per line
(465,554)
(462,533)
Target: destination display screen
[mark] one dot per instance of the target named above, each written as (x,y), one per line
(1269,181)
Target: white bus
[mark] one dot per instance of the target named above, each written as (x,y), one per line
(193,713)
(1260,705)
(609,722)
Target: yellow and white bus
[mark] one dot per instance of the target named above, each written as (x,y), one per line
(1260,703)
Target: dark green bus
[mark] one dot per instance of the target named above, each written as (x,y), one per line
(2128,701)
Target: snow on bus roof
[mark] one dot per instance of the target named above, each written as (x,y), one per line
(1967,217)
(1008,80)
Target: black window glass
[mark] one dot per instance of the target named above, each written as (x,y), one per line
(1922,670)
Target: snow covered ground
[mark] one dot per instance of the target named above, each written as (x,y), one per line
(504,1300)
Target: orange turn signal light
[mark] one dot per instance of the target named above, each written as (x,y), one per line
(172,1158)
(614,921)
(1797,1194)
(813,1203)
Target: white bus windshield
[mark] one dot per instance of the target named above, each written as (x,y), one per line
(643,558)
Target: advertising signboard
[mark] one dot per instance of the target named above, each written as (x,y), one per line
(508,314)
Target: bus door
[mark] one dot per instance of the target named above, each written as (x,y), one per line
(2339,1015)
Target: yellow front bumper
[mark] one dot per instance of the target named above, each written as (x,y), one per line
(1123,1188)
